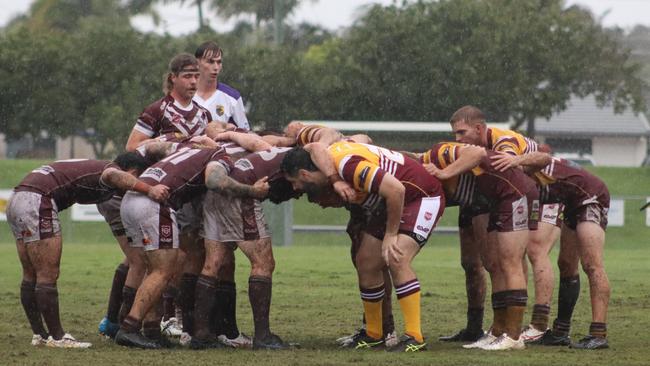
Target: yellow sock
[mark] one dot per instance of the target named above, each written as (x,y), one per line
(372,312)
(410,304)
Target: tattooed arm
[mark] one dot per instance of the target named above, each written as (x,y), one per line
(217,179)
(248,141)
(158,150)
(119,179)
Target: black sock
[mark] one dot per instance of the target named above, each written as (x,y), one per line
(168,303)
(47,299)
(259,294)
(115,297)
(566,302)
(28,299)
(186,301)
(474,320)
(226,309)
(204,298)
(128,297)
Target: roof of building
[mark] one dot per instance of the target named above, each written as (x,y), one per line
(583,117)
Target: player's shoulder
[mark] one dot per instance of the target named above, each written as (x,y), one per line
(228,90)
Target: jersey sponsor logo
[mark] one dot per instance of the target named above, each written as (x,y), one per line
(520,214)
(45,170)
(423,229)
(156,174)
(244,164)
(220,110)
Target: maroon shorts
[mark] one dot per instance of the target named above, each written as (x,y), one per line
(111,211)
(593,212)
(515,214)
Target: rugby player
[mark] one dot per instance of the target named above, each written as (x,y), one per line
(33,215)
(412,210)
(468,124)
(513,208)
(152,226)
(586,200)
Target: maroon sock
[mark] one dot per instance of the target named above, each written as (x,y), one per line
(131,324)
(115,297)
(259,294)
(226,309)
(28,299)
(47,299)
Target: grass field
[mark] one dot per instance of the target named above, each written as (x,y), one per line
(316,298)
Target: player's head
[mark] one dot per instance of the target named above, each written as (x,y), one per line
(468,124)
(132,162)
(182,76)
(301,171)
(281,190)
(293,128)
(327,197)
(209,55)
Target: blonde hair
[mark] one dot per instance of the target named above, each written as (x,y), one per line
(468,114)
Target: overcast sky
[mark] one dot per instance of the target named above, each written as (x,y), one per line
(332,14)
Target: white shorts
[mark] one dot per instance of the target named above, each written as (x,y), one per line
(32,216)
(230,219)
(148,223)
(551,213)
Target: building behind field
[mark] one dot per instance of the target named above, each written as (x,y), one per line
(587,132)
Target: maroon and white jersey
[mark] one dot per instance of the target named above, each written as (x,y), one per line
(184,173)
(70,181)
(166,116)
(566,182)
(260,164)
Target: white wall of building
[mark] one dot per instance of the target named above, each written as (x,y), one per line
(3,147)
(73,148)
(619,151)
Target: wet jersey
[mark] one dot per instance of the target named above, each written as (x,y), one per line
(566,182)
(184,173)
(308,134)
(493,184)
(166,116)
(364,166)
(510,142)
(70,181)
(259,164)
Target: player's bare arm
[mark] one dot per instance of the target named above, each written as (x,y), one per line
(217,179)
(279,141)
(122,180)
(248,141)
(533,161)
(324,162)
(467,157)
(392,190)
(136,138)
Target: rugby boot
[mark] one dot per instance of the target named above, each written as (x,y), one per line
(241,341)
(346,340)
(135,340)
(67,341)
(408,344)
(504,342)
(107,328)
(463,335)
(270,342)
(483,341)
(531,334)
(551,339)
(363,341)
(591,342)
(38,340)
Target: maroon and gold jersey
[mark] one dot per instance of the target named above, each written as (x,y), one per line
(566,182)
(364,166)
(509,142)
(184,173)
(491,183)
(165,116)
(308,134)
(259,164)
(70,181)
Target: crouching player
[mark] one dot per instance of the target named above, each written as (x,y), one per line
(33,215)
(151,225)
(414,202)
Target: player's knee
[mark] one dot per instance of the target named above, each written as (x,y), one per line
(471,266)
(568,267)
